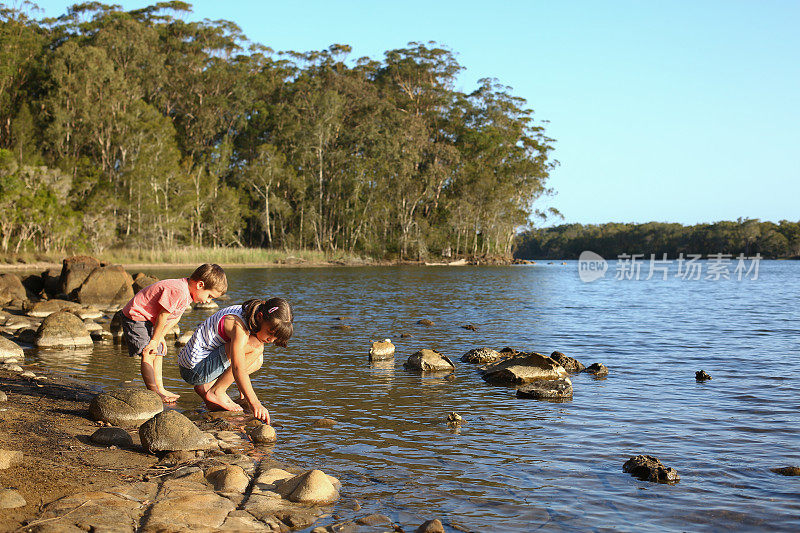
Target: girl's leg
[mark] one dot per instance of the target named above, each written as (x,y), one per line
(215,393)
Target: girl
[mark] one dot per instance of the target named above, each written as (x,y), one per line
(229,346)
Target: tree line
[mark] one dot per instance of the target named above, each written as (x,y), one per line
(743,236)
(138,128)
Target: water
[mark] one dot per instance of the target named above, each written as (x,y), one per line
(519,465)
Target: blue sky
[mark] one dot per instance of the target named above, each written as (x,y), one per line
(680,111)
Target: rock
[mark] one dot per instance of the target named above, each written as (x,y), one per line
(183,340)
(598,369)
(701,375)
(205,305)
(431,526)
(102,336)
(12,367)
(570,364)
(88,313)
(115,327)
(125,407)
(189,511)
(455,419)
(429,361)
(34,285)
(11,288)
(75,270)
(28,375)
(263,434)
(48,307)
(109,436)
(170,431)
(14,323)
(313,486)
(426,322)
(92,326)
(546,389)
(3,396)
(106,285)
(405,335)
(649,468)
(324,423)
(481,356)
(787,471)
(470,327)
(51,279)
(524,368)
(62,330)
(11,499)
(381,350)
(10,350)
(178,457)
(374,520)
(25,335)
(9,458)
(270,478)
(142,280)
(228,478)
(343,327)
(510,352)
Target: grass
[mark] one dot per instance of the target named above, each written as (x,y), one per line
(193,255)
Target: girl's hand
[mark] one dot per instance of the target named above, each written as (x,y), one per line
(260,412)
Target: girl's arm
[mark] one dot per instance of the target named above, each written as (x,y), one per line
(239,337)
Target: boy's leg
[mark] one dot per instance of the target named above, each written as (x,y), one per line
(152,376)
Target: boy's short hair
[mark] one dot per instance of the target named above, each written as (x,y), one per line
(212,276)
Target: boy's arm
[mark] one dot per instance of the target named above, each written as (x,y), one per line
(159,330)
(239,368)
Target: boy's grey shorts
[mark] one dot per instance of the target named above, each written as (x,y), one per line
(137,334)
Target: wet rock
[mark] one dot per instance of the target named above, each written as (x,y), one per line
(170,431)
(75,270)
(381,350)
(598,369)
(10,350)
(263,434)
(228,478)
(510,352)
(188,511)
(110,436)
(106,285)
(142,280)
(11,499)
(481,356)
(28,375)
(115,327)
(426,322)
(787,470)
(62,330)
(3,396)
(26,335)
(88,312)
(570,364)
(431,526)
(9,458)
(524,368)
(11,288)
(429,361)
(454,419)
(343,327)
(548,389)
(48,307)
(205,305)
(405,335)
(470,327)
(184,339)
(92,326)
(126,407)
(701,375)
(324,423)
(51,280)
(313,486)
(102,336)
(374,520)
(11,367)
(649,468)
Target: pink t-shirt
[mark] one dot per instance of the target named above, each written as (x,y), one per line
(170,295)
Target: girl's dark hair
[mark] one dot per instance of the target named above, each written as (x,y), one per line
(276,312)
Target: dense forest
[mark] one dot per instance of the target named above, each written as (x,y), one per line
(141,129)
(744,236)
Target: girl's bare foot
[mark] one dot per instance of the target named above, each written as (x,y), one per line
(219,401)
(167,396)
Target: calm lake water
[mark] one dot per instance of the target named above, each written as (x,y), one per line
(519,465)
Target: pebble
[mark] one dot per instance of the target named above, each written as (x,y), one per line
(701,375)
(9,458)
(28,374)
(11,499)
(263,434)
(3,396)
(431,526)
(324,423)
(598,369)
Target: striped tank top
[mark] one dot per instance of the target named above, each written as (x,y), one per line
(207,337)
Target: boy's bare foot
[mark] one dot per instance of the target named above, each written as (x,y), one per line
(217,401)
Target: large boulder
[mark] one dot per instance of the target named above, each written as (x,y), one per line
(107,285)
(570,364)
(125,407)
(649,468)
(171,431)
(51,279)
(142,280)
(525,368)
(34,285)
(62,330)
(481,356)
(381,350)
(75,270)
(48,307)
(11,288)
(10,351)
(429,361)
(546,389)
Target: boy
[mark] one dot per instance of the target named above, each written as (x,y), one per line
(156,309)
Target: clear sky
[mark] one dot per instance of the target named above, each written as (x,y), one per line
(678,111)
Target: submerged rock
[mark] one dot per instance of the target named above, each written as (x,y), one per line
(470,327)
(324,423)
(62,330)
(343,327)
(429,361)
(481,356)
(126,407)
(546,389)
(426,322)
(381,350)
(570,364)
(109,436)
(649,468)
(701,375)
(171,431)
(787,470)
(598,369)
(524,368)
